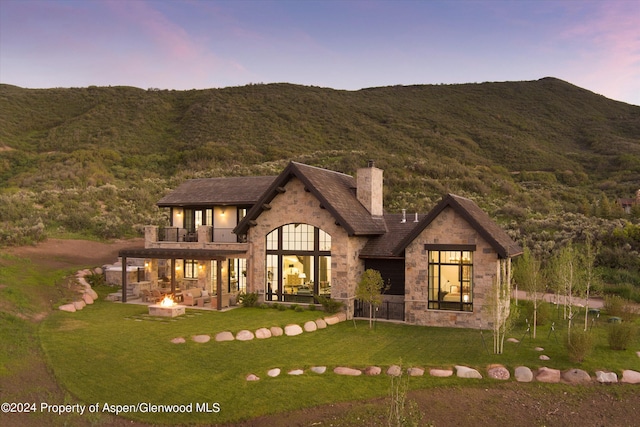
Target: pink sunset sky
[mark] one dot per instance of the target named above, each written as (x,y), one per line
(195,44)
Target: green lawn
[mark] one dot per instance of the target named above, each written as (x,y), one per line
(113,353)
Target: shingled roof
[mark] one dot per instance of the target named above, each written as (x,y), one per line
(244,190)
(334,190)
(384,246)
(479,220)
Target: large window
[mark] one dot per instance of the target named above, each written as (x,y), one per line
(450,280)
(298,263)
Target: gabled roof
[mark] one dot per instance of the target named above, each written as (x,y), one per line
(476,217)
(383,246)
(335,192)
(245,190)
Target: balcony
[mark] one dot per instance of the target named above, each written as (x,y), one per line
(205,237)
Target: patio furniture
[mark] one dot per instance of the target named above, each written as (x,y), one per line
(147,296)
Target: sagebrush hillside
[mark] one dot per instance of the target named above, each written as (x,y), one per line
(539,155)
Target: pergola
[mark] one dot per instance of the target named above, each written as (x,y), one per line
(173,254)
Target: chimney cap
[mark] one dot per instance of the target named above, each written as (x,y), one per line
(371,163)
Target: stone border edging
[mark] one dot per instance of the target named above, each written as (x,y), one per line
(87,294)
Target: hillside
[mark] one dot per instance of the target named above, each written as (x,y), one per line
(94,160)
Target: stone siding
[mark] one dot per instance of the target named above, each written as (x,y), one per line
(299,206)
(448,228)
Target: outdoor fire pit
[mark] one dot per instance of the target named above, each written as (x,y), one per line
(166,308)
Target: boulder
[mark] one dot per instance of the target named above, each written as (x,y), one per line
(630,377)
(466,372)
(321,324)
(440,372)
(576,376)
(394,371)
(498,372)
(548,375)
(93,294)
(87,298)
(310,326)
(79,304)
(539,349)
(71,308)
(318,369)
(178,340)
(523,374)
(544,357)
(341,370)
(273,372)
(292,330)
(244,335)
(253,377)
(373,370)
(263,333)
(224,336)
(276,331)
(331,320)
(296,372)
(606,377)
(98,270)
(342,316)
(201,338)
(513,340)
(415,372)
(84,282)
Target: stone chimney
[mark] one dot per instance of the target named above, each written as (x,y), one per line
(369,188)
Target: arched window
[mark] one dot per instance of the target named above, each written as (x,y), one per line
(298,263)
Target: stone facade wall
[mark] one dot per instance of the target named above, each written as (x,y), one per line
(299,206)
(448,228)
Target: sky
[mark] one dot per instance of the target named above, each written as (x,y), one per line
(197,44)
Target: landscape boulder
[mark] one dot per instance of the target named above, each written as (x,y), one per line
(630,377)
(253,377)
(178,340)
(331,320)
(440,372)
(415,372)
(263,333)
(466,372)
(548,375)
(394,371)
(276,331)
(71,307)
(201,338)
(244,335)
(523,374)
(341,370)
(87,298)
(310,326)
(79,304)
(318,369)
(273,372)
(606,377)
(498,372)
(224,336)
(321,324)
(576,376)
(296,372)
(292,330)
(372,370)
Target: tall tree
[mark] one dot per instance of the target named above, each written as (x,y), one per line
(527,273)
(590,278)
(566,264)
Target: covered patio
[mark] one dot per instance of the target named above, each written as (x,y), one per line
(179,254)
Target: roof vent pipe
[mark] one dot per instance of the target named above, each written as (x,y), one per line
(416,220)
(404,216)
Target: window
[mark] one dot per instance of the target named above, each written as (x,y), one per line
(298,263)
(190,269)
(450,280)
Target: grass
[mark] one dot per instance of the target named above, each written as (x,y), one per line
(113,353)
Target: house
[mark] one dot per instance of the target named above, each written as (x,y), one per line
(628,204)
(311,232)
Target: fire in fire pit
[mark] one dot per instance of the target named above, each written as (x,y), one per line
(166,308)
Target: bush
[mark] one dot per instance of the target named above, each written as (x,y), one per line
(579,344)
(618,307)
(299,309)
(312,307)
(248,299)
(621,335)
(543,316)
(330,305)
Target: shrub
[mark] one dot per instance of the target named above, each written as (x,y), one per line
(618,307)
(312,307)
(579,344)
(95,279)
(621,335)
(330,305)
(248,299)
(299,309)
